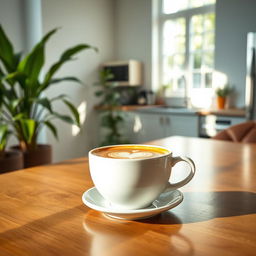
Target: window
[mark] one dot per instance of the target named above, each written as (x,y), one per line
(186,46)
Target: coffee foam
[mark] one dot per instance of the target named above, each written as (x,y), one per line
(130,152)
(135,154)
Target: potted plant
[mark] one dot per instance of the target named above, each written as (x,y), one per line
(222,93)
(26,108)
(111,116)
(10,160)
(161,93)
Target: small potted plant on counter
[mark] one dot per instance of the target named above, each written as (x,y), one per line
(222,93)
(22,89)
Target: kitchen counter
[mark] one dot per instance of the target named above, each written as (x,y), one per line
(188,111)
(129,107)
(168,110)
(161,109)
(236,112)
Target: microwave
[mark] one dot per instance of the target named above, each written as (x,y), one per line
(125,73)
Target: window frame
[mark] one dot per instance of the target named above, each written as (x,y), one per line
(187,15)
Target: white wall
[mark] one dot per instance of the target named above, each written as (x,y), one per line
(234,19)
(81,21)
(133,33)
(12,21)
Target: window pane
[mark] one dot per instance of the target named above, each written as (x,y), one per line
(179,43)
(166,71)
(174,28)
(170,61)
(208,60)
(209,22)
(197,61)
(202,42)
(176,62)
(180,26)
(196,80)
(197,24)
(208,80)
(174,47)
(206,2)
(170,6)
(197,42)
(196,3)
(179,61)
(181,82)
(209,41)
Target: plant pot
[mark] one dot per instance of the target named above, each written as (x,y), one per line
(13,160)
(221,101)
(41,155)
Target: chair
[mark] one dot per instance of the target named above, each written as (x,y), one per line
(243,132)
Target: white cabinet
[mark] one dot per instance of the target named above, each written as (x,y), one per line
(182,125)
(148,126)
(210,125)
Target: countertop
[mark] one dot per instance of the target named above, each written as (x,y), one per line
(161,109)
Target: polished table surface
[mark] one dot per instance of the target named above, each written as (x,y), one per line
(41,212)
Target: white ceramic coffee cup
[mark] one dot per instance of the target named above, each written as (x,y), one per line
(135,183)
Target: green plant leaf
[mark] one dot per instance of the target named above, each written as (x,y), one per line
(72,51)
(14,103)
(4,133)
(223,91)
(45,102)
(31,65)
(74,112)
(28,127)
(60,97)
(1,74)
(99,93)
(6,51)
(52,128)
(57,80)
(106,121)
(64,118)
(17,58)
(16,76)
(8,93)
(66,56)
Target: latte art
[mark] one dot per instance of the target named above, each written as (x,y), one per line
(130,152)
(135,154)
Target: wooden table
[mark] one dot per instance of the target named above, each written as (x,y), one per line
(41,212)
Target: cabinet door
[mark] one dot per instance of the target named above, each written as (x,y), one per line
(181,125)
(128,126)
(148,127)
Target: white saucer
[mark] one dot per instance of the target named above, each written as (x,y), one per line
(93,199)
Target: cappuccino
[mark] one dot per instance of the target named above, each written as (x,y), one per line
(132,176)
(130,152)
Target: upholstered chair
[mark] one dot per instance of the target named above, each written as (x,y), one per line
(243,132)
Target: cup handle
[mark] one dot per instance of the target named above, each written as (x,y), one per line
(175,160)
